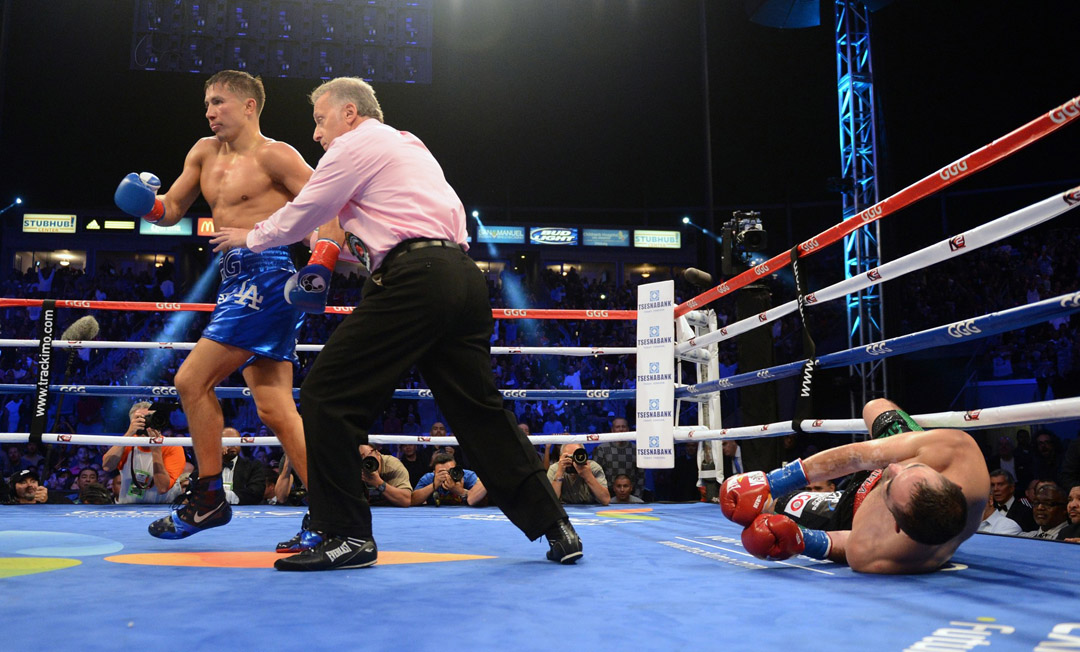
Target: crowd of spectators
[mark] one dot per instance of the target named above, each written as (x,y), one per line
(1022,270)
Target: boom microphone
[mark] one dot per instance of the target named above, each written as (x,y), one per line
(83,328)
(698,278)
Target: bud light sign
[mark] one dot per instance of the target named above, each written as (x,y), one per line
(553,235)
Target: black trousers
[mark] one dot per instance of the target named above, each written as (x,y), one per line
(432,310)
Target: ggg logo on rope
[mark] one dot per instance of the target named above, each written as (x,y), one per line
(878,348)
(953,170)
(963,329)
(596,313)
(872,213)
(1065,113)
(514,393)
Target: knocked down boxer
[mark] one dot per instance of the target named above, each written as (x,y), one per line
(915,497)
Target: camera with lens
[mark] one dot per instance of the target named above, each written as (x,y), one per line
(749,233)
(579,456)
(370,464)
(158,417)
(742,235)
(456,474)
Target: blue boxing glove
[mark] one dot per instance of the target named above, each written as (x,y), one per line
(307,289)
(137,196)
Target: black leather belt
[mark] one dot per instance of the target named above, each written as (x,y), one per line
(406,246)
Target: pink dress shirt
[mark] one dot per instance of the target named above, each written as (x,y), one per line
(384,186)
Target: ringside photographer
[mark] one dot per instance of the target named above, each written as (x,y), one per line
(447,484)
(147,474)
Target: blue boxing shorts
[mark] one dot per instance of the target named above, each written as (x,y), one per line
(251,311)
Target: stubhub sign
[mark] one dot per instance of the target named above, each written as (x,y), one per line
(553,235)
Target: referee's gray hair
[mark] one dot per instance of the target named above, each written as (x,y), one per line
(351,89)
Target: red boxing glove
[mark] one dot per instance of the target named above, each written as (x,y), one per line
(774,537)
(744,496)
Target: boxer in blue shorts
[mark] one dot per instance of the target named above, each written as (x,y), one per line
(252,313)
(245,177)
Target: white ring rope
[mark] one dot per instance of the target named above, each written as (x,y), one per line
(1066,409)
(958,245)
(581,351)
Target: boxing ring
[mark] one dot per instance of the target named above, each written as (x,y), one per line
(659,577)
(654,576)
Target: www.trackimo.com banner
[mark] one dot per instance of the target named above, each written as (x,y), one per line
(655,369)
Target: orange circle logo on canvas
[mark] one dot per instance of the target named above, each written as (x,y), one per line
(266,559)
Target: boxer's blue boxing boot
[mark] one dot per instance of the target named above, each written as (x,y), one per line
(206,509)
(332,553)
(305,539)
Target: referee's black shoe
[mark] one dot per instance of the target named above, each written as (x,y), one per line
(333,553)
(564,541)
